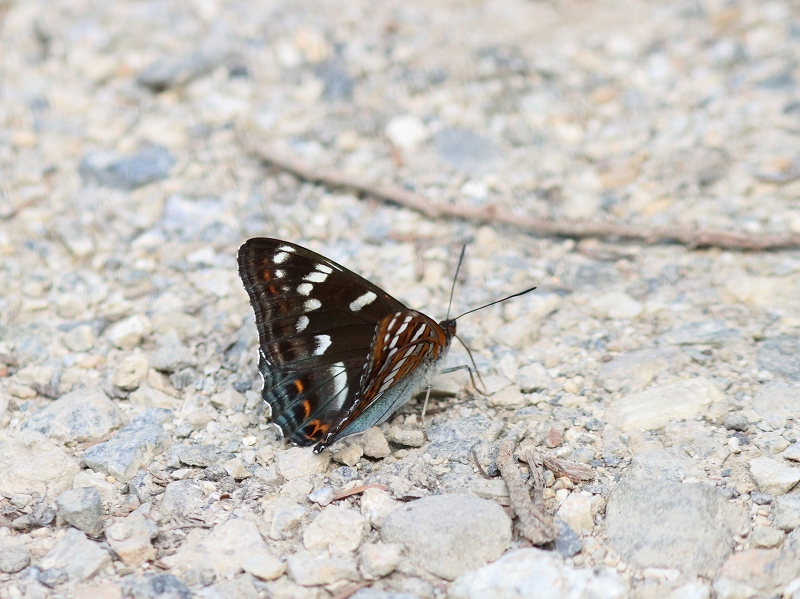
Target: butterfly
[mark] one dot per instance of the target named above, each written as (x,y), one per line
(337,354)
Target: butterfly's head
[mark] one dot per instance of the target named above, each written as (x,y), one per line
(449,326)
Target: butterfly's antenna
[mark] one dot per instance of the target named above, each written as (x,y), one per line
(474,365)
(494,302)
(455,278)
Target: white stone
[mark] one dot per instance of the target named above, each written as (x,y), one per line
(285,517)
(315,570)
(510,398)
(264,566)
(230,399)
(377,560)
(130,372)
(85,478)
(406,437)
(79,339)
(31,463)
(349,455)
(577,512)
(235,468)
(225,549)
(79,557)
(615,305)
(533,377)
(658,406)
(772,476)
(536,573)
(406,131)
(377,504)
(792,452)
(301,461)
(374,443)
(337,529)
(131,537)
(128,333)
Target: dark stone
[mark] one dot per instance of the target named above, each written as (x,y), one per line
(760,498)
(780,356)
(109,169)
(456,439)
(215,473)
(339,84)
(161,586)
(568,542)
(82,508)
(342,475)
(735,421)
(183,378)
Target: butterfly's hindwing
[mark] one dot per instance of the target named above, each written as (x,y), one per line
(337,353)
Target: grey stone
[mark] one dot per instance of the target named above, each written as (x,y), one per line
(568,542)
(82,508)
(370,593)
(199,455)
(79,557)
(181,498)
(661,524)
(449,534)
(777,402)
(131,447)
(110,169)
(31,463)
(736,421)
(338,83)
(82,415)
(52,577)
(456,439)
(79,339)
(669,463)
(536,573)
(130,372)
(160,586)
(464,150)
(712,332)
(533,377)
(635,370)
(143,486)
(172,357)
(14,556)
(781,356)
(173,71)
(786,512)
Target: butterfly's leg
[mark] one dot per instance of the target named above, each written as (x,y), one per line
(424,408)
(471,377)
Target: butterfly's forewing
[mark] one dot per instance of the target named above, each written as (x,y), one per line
(316,323)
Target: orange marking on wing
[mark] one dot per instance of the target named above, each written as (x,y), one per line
(320,428)
(273,290)
(306,409)
(298,384)
(266,276)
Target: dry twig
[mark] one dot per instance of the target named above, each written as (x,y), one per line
(577,229)
(534,524)
(355,491)
(574,471)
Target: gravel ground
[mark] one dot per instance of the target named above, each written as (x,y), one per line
(136,458)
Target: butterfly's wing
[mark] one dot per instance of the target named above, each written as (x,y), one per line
(406,346)
(316,324)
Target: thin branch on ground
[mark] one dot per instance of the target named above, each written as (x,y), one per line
(576,229)
(534,524)
(355,491)
(574,471)
(537,474)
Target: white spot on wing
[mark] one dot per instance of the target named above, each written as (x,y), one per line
(338,373)
(280,257)
(286,248)
(402,328)
(302,323)
(315,277)
(363,300)
(304,288)
(419,332)
(311,304)
(322,268)
(279,274)
(323,343)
